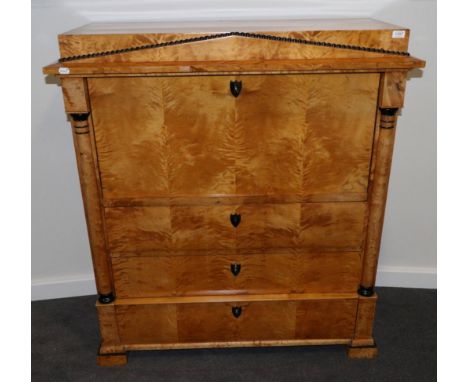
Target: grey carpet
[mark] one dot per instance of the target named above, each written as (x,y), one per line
(65,341)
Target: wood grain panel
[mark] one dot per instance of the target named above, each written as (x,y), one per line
(311,225)
(327,319)
(131,138)
(107,360)
(75,95)
(179,145)
(199,118)
(291,135)
(392,89)
(147,323)
(236,344)
(340,127)
(228,48)
(309,134)
(234,47)
(146,228)
(139,228)
(215,322)
(233,200)
(270,119)
(268,225)
(108,325)
(235,298)
(151,276)
(202,227)
(365,321)
(223,67)
(335,225)
(260,320)
(327,226)
(366,352)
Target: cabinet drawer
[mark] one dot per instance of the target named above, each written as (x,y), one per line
(216,321)
(153,276)
(330,226)
(302,134)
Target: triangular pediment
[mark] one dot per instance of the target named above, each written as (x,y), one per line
(126,44)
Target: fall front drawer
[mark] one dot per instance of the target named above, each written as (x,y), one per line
(238,319)
(330,226)
(151,276)
(308,134)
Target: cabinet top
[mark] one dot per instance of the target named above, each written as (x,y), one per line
(191,27)
(142,48)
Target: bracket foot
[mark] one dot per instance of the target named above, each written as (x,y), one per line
(365,352)
(113,359)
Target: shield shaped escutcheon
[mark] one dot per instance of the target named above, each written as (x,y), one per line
(236,87)
(235,219)
(236,311)
(235,269)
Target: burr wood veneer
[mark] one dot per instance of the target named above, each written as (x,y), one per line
(234,188)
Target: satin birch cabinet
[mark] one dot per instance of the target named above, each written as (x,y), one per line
(234,178)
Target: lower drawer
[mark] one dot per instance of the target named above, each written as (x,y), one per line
(228,321)
(322,226)
(153,276)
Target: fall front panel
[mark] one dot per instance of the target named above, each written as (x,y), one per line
(161,137)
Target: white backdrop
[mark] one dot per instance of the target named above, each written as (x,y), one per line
(61,264)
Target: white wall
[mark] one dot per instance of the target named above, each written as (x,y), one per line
(61,263)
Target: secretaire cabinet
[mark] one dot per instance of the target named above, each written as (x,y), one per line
(234,178)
